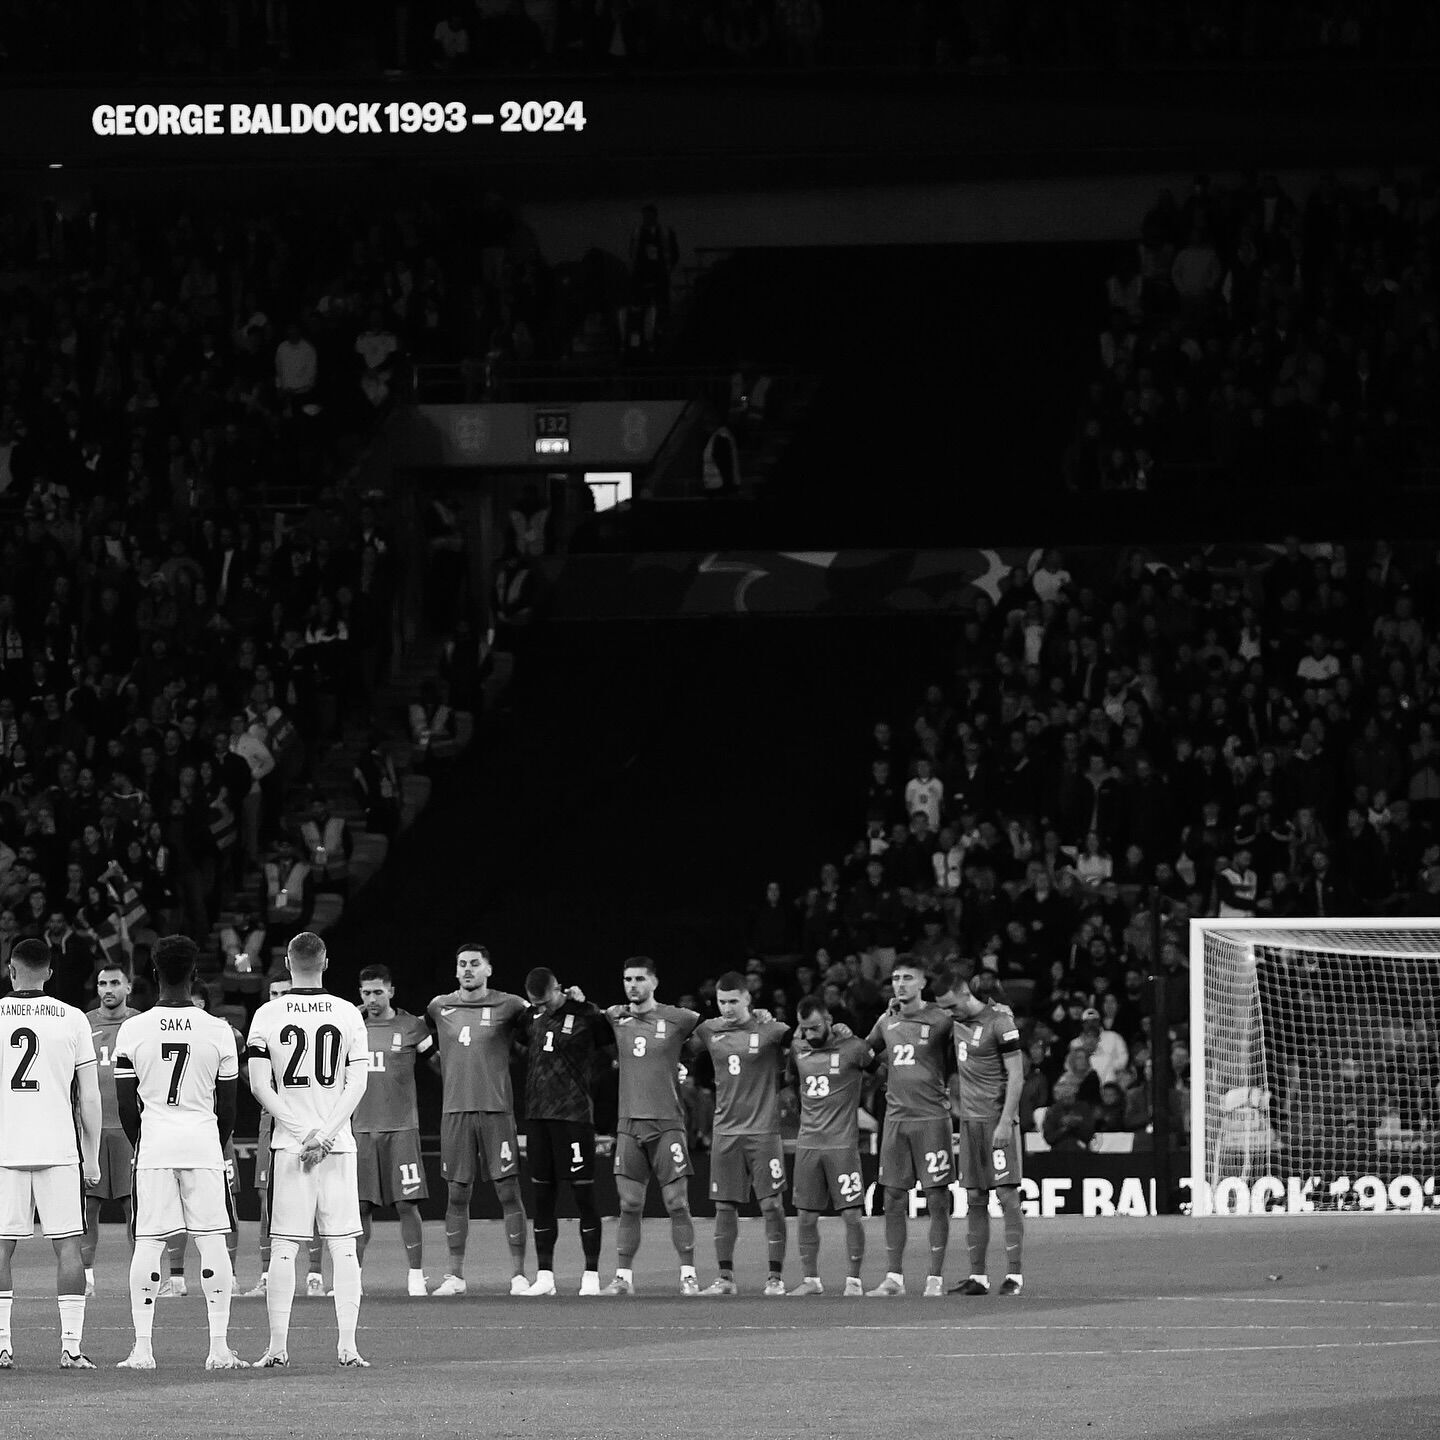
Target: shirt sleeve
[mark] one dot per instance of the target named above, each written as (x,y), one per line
(1007,1034)
(875,1040)
(359,1053)
(256,1045)
(229,1056)
(688,1020)
(124,1061)
(424,1040)
(84,1042)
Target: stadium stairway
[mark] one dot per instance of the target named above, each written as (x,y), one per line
(334,776)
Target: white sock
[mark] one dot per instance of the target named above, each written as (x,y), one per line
(315,1275)
(813,1279)
(687,1272)
(89,1274)
(1018,1279)
(628,1275)
(347,1290)
(981,1280)
(280,1291)
(416,1272)
(72,1321)
(895,1276)
(217,1280)
(7,1301)
(144,1283)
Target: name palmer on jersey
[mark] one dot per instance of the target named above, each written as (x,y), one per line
(311,1041)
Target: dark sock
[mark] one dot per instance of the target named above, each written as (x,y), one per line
(727,1231)
(939,1229)
(590,1227)
(547,1228)
(682,1232)
(854,1240)
(627,1238)
(977,1233)
(775,1239)
(1014,1230)
(809,1236)
(896,1225)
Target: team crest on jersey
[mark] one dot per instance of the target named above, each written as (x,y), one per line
(659,1028)
(754,1042)
(979,1031)
(484,1014)
(569,1024)
(924,1032)
(397,1041)
(835,1061)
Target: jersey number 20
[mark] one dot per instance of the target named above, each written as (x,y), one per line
(327,1056)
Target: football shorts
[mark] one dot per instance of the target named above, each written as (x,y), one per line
(51,1190)
(984,1165)
(916,1152)
(742,1163)
(117,1156)
(560,1150)
(488,1135)
(170,1200)
(389,1167)
(324,1198)
(651,1147)
(828,1179)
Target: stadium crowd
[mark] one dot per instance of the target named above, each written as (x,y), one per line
(246,35)
(1241,738)
(180,633)
(1263,340)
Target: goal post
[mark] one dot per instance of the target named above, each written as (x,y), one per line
(1314,1065)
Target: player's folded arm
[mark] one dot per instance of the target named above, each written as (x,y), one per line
(127,1096)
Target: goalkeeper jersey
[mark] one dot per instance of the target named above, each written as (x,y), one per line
(311,1041)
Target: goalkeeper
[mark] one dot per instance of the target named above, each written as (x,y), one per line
(309,1055)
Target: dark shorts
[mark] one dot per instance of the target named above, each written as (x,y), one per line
(389,1168)
(560,1150)
(916,1152)
(741,1163)
(983,1165)
(651,1147)
(489,1135)
(828,1179)
(117,1156)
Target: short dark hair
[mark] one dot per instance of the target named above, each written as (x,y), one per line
(377,972)
(643,962)
(200,992)
(985,986)
(733,980)
(909,962)
(174,957)
(538,982)
(33,954)
(114,962)
(307,947)
(810,1006)
(464,945)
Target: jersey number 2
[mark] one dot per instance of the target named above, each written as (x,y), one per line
(27,1039)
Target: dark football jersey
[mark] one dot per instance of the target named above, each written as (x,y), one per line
(474,1036)
(914,1047)
(104,1026)
(829,1081)
(747,1060)
(649,1048)
(560,1068)
(389,1100)
(981,1045)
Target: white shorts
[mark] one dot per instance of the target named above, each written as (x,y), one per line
(170,1200)
(53,1190)
(327,1197)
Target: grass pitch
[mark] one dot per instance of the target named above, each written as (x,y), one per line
(1308,1328)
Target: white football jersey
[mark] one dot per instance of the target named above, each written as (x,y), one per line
(177,1054)
(43,1044)
(310,1039)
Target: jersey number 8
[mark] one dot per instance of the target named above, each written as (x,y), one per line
(733,1065)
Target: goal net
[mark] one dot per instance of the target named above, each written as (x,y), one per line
(1314,1065)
